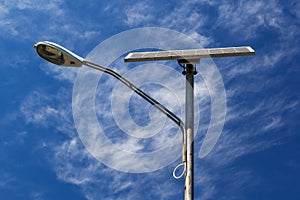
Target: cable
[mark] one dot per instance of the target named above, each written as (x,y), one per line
(183,171)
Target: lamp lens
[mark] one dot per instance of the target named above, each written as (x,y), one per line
(50,54)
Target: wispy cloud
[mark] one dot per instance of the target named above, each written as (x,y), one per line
(250,18)
(138,13)
(14,23)
(261,116)
(178,18)
(57,22)
(60,73)
(247,16)
(47,111)
(7,180)
(91,175)
(187,20)
(34,5)
(37,195)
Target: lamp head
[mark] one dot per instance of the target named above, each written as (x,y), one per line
(57,54)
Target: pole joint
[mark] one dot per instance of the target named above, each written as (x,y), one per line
(184,66)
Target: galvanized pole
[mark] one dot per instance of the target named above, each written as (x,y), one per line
(189,122)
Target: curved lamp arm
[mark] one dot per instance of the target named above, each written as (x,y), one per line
(59,55)
(148,98)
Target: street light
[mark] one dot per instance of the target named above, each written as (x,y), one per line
(59,55)
(188,59)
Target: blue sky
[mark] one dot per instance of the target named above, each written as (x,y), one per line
(257,154)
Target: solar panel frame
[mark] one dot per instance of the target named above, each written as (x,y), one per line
(190,55)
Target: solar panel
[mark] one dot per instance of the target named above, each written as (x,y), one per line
(189,56)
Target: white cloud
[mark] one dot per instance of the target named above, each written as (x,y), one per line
(37,195)
(59,72)
(35,116)
(3,10)
(44,19)
(42,109)
(201,39)
(188,21)
(295,8)
(138,14)
(274,122)
(246,17)
(14,23)
(6,180)
(33,5)
(74,165)
(68,171)
(260,121)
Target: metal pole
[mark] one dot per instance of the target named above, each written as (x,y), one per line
(189,122)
